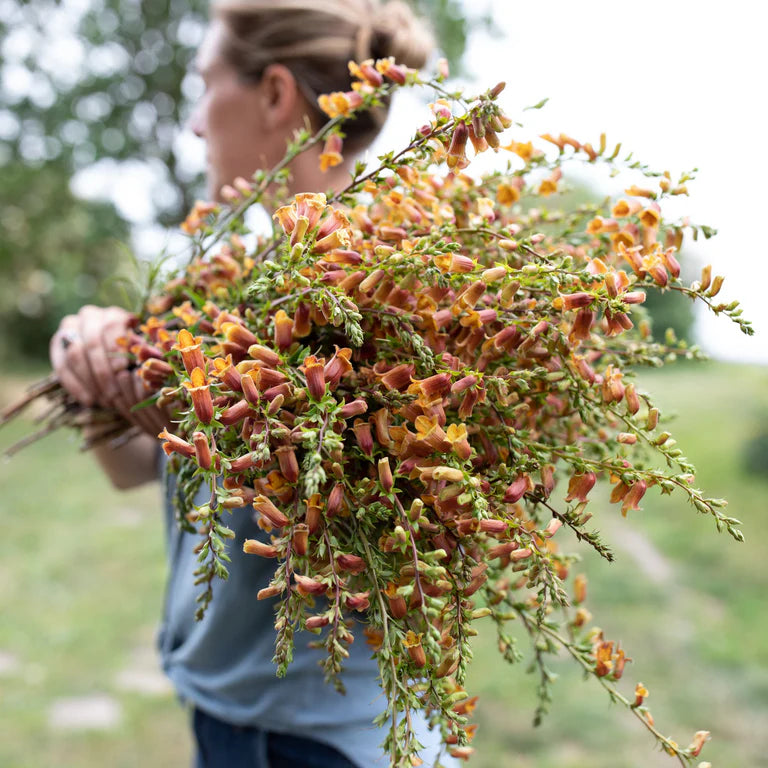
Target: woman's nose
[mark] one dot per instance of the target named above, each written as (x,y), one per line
(197,122)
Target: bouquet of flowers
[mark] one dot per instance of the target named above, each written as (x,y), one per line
(416,383)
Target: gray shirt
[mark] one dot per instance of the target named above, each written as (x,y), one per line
(223,664)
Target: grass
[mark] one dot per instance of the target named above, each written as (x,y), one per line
(81,581)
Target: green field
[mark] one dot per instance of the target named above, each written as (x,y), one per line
(81,580)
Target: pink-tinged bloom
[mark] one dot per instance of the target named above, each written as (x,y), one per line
(237,333)
(283,330)
(463,384)
(338,366)
(397,73)
(331,154)
(300,538)
(289,465)
(358,601)
(671,262)
(270,512)
(491,525)
(632,497)
(366,72)
(415,650)
(554,526)
(612,389)
(580,486)
(573,301)
(202,450)
(175,444)
(353,408)
(314,513)
(363,435)
(310,205)
(399,377)
(256,547)
(190,348)
(456,435)
(225,370)
(200,392)
(308,586)
(381,426)
(335,500)
(268,592)
(338,103)
(515,490)
(235,413)
(339,238)
(456,156)
(315,375)
(699,740)
(350,563)
(317,622)
(243,463)
(286,217)
(385,474)
(154,372)
(249,385)
(397,604)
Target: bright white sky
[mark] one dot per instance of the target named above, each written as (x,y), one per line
(683,85)
(680,83)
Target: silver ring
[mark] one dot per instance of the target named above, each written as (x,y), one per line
(68,338)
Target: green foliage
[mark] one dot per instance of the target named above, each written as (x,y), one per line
(56,254)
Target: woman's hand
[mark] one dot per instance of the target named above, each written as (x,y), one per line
(86,356)
(93,367)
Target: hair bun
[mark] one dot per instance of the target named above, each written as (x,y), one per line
(395,31)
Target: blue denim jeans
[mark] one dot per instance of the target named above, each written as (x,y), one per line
(221,745)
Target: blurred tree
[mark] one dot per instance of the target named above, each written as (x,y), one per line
(56,254)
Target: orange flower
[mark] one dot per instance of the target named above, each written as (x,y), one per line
(200,392)
(190,348)
(331,154)
(395,72)
(338,104)
(415,650)
(523,149)
(580,485)
(366,72)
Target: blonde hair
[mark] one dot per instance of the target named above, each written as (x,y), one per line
(315,39)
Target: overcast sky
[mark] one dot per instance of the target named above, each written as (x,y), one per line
(683,85)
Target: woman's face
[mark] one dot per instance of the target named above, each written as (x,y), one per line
(230,117)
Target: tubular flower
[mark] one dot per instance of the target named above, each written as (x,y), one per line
(331,154)
(270,512)
(190,348)
(395,72)
(366,72)
(580,485)
(175,444)
(314,373)
(338,104)
(200,392)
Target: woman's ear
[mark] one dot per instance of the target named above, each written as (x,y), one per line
(280,97)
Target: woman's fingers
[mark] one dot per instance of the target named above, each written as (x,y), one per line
(70,362)
(86,355)
(100,329)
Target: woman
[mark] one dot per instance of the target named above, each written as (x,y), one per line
(264,63)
